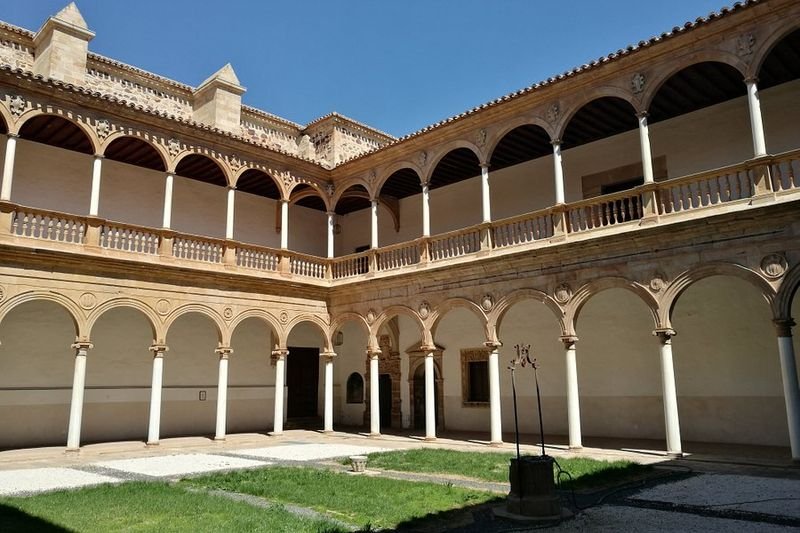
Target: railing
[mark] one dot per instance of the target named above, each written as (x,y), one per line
(785,172)
(704,189)
(257,258)
(397,256)
(522,229)
(197,250)
(455,244)
(307,266)
(129,239)
(605,210)
(350,265)
(47,225)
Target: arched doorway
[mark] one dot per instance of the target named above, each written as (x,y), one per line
(418,396)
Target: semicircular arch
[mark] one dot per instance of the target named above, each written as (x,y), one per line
(502,307)
(31,114)
(592,288)
(159,149)
(150,314)
(605,91)
(199,309)
(73,309)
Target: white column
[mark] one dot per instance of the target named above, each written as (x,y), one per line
(280,374)
(284,224)
(430,398)
(8,167)
(495,415)
(374,395)
(331,223)
(76,404)
(558,171)
(426,211)
(486,196)
(756,124)
(328,418)
(222,393)
(231,207)
(668,390)
(154,427)
(644,142)
(167,223)
(791,390)
(97,168)
(374,218)
(573,398)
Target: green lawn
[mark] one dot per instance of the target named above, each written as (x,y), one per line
(364,501)
(488,466)
(140,506)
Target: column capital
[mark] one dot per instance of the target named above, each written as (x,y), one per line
(12,135)
(642,114)
(569,340)
(374,353)
(665,334)
(555,142)
(493,345)
(99,156)
(751,79)
(330,213)
(224,351)
(484,165)
(231,187)
(82,345)
(280,353)
(284,201)
(783,326)
(159,349)
(328,355)
(425,183)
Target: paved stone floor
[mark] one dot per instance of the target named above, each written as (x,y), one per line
(717,489)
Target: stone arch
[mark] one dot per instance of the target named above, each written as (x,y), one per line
(393,311)
(606,91)
(222,332)
(249,169)
(444,150)
(453,303)
(296,193)
(6,118)
(502,307)
(341,319)
(513,124)
(317,322)
(782,304)
(159,335)
(687,278)
(32,114)
(210,156)
(387,173)
(588,290)
(159,149)
(73,309)
(264,316)
(771,40)
(345,186)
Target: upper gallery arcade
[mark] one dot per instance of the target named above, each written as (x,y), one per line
(643,173)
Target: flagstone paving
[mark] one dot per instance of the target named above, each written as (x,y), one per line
(309,452)
(32,480)
(178,464)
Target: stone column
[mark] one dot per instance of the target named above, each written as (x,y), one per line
(97,169)
(558,171)
(374,219)
(328,418)
(430,397)
(644,141)
(573,397)
(167,223)
(426,210)
(668,390)
(756,123)
(791,389)
(280,379)
(222,392)
(331,224)
(486,196)
(76,404)
(495,414)
(154,427)
(284,224)
(374,394)
(230,213)
(8,166)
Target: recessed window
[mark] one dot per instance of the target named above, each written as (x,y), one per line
(475,376)
(355,388)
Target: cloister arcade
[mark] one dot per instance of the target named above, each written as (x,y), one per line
(645,326)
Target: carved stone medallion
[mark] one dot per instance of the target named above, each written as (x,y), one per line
(774,266)
(227,313)
(17,105)
(487,303)
(422,158)
(371,315)
(174,147)
(552,113)
(88,300)
(103,128)
(563,293)
(744,44)
(424,310)
(480,137)
(2,293)
(658,282)
(637,83)
(162,307)
(284,317)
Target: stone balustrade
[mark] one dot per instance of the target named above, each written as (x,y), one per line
(766,179)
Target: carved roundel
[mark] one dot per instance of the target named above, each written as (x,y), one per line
(563,293)
(371,316)
(487,303)
(2,293)
(227,313)
(162,307)
(424,310)
(658,282)
(88,300)
(284,317)
(774,266)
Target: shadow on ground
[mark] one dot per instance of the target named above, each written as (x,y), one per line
(13,520)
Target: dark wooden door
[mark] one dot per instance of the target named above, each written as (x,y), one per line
(385,385)
(302,378)
(419,399)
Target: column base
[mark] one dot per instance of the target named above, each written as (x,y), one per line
(496,443)
(375,435)
(429,439)
(327,431)
(675,455)
(219,439)
(575,448)
(275,433)
(151,444)
(71,450)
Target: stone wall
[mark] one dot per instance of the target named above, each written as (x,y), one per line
(16,54)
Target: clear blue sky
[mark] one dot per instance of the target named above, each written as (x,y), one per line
(395,65)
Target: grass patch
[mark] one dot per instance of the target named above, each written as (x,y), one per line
(143,506)
(488,466)
(368,502)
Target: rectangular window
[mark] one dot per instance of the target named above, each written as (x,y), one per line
(475,377)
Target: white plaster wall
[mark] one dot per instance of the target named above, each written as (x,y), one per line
(251,378)
(131,194)
(254,220)
(308,231)
(351,357)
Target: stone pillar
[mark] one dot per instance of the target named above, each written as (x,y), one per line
(374,218)
(573,397)
(430,397)
(495,413)
(167,223)
(374,394)
(230,213)
(76,404)
(154,427)
(756,123)
(284,224)
(668,390)
(8,167)
(558,171)
(426,210)
(791,389)
(644,141)
(331,224)
(222,392)
(280,379)
(97,169)
(486,196)
(328,417)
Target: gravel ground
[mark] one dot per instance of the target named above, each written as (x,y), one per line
(17,482)
(179,465)
(308,452)
(779,497)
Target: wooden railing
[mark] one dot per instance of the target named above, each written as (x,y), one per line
(771,177)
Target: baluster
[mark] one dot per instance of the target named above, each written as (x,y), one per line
(15,224)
